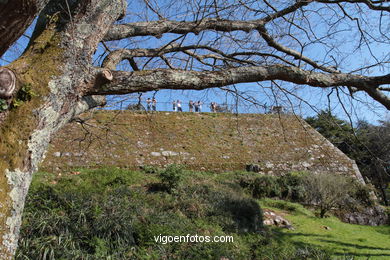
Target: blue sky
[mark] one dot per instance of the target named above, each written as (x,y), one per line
(266,93)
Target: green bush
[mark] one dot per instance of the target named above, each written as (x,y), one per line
(362,193)
(262,186)
(292,187)
(327,191)
(171,177)
(233,211)
(150,169)
(69,225)
(288,186)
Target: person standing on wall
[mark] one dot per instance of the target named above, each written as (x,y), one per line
(148,104)
(154,104)
(179,106)
(191,105)
(174,106)
(199,106)
(213,107)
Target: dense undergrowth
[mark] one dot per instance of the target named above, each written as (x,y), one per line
(115,214)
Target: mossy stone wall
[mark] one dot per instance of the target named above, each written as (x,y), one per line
(206,141)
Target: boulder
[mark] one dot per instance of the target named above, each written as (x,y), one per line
(271,218)
(371,216)
(253,168)
(169,153)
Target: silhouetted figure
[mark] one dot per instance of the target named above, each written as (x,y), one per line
(174,107)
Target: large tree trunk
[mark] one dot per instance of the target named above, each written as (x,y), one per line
(16,16)
(52,77)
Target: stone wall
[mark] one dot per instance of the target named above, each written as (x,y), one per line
(206,141)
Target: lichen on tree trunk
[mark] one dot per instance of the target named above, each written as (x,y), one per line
(35,69)
(55,69)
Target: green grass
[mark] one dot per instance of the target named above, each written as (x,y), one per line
(112,213)
(361,242)
(115,214)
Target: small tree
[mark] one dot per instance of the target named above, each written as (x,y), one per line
(171,177)
(367,144)
(326,191)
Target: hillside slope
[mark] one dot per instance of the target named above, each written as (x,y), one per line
(206,141)
(112,213)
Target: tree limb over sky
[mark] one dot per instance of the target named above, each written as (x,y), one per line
(143,81)
(211,20)
(283,55)
(81,51)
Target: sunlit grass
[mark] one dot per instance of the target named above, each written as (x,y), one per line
(330,233)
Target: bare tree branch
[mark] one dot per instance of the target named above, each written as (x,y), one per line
(374,5)
(158,28)
(113,59)
(142,81)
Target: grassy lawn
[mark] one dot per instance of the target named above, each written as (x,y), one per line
(362,242)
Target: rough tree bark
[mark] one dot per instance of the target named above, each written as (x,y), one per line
(16,16)
(56,71)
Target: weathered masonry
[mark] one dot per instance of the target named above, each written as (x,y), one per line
(206,141)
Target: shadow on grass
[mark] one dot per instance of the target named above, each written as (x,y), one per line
(156,187)
(338,248)
(354,245)
(385,231)
(282,235)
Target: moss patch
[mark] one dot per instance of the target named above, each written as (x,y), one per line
(204,141)
(34,69)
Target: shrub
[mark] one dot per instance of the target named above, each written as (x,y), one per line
(150,169)
(262,186)
(363,193)
(171,177)
(245,213)
(326,191)
(76,225)
(288,186)
(292,187)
